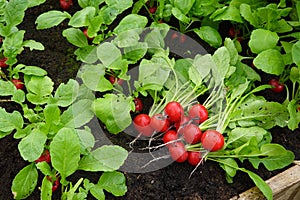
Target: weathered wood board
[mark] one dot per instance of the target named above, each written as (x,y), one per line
(285,186)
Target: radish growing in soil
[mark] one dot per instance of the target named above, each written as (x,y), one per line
(86,34)
(112,79)
(138,104)
(277,86)
(65,4)
(233,32)
(18,84)
(3,62)
(44,157)
(55,185)
(152,10)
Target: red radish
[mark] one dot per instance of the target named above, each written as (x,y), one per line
(198,113)
(142,124)
(55,185)
(239,39)
(65,4)
(169,136)
(159,123)
(178,152)
(174,36)
(182,38)
(192,134)
(152,10)
(44,157)
(174,111)
(138,104)
(3,62)
(233,33)
(113,80)
(212,140)
(18,84)
(86,34)
(277,86)
(183,122)
(194,157)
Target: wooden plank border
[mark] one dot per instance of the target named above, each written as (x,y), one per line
(285,185)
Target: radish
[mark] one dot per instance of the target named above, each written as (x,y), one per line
(3,62)
(198,113)
(194,157)
(174,111)
(55,185)
(159,123)
(183,122)
(112,79)
(192,134)
(18,84)
(138,104)
(86,34)
(277,86)
(142,124)
(169,136)
(152,10)
(174,36)
(233,33)
(65,4)
(44,157)
(182,38)
(178,152)
(212,140)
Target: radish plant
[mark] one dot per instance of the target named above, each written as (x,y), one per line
(54,141)
(12,39)
(90,24)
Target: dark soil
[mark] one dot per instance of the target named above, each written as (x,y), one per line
(171,182)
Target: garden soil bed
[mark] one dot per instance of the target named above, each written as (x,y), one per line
(172,182)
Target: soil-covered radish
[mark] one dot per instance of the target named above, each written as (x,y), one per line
(174,111)
(142,124)
(194,157)
(192,134)
(198,113)
(178,152)
(212,140)
(159,123)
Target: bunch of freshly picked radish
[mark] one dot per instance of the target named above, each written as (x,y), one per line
(180,131)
